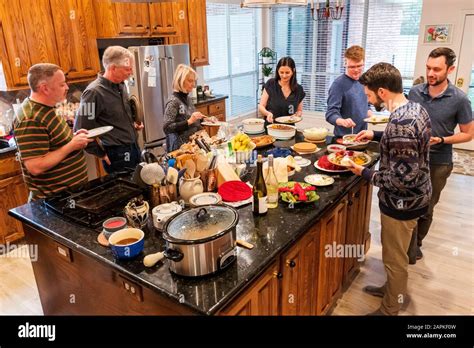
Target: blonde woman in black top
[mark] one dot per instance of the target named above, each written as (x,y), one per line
(282,95)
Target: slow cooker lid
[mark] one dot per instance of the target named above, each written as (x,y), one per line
(202,222)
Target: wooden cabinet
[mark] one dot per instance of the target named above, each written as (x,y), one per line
(162,19)
(330,268)
(299,276)
(61,32)
(74,24)
(213,108)
(29,37)
(260,299)
(14,193)
(198,32)
(132,19)
(357,210)
(180,14)
(113,293)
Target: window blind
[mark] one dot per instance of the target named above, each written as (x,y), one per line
(232,40)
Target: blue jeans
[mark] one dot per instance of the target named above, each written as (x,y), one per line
(122,157)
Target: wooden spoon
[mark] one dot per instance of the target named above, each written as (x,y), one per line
(190,168)
(201,163)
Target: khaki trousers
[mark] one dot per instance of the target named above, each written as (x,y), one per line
(396,236)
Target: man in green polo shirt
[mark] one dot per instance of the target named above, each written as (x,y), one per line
(52,157)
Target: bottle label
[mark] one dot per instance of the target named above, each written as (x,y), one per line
(262,205)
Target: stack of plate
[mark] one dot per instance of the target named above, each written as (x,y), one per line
(304,147)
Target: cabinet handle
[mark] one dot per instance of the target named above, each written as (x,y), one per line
(357,194)
(291,263)
(350,202)
(278,275)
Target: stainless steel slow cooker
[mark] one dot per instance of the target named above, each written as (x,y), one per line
(202,240)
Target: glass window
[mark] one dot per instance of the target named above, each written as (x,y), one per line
(232,39)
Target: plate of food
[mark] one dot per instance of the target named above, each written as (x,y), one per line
(343,158)
(288,119)
(350,139)
(324,165)
(94,133)
(319,180)
(262,141)
(297,192)
(377,119)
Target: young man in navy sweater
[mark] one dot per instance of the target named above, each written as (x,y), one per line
(347,102)
(403,177)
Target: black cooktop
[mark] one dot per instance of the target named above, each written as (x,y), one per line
(93,203)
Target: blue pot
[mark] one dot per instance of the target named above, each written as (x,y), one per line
(123,250)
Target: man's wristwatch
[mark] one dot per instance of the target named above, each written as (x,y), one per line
(442,140)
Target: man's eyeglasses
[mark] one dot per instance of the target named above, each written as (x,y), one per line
(353,67)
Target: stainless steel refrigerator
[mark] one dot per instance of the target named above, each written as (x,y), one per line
(150,85)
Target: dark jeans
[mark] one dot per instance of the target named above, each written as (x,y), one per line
(121,157)
(439,174)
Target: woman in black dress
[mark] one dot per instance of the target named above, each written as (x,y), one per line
(282,95)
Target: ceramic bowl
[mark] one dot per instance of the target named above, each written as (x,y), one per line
(315,133)
(126,251)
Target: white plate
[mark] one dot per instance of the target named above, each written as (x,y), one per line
(288,119)
(319,180)
(218,123)
(94,133)
(329,170)
(205,198)
(304,162)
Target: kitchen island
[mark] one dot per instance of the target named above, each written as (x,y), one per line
(293,268)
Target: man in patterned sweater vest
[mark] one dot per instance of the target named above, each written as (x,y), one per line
(403,177)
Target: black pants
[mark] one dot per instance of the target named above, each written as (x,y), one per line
(122,157)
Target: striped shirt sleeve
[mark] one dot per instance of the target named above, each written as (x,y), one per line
(32,139)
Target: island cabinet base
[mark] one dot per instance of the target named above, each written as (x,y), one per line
(72,283)
(309,277)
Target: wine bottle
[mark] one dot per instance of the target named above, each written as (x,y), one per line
(259,201)
(272,185)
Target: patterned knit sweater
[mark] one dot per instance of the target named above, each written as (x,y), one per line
(404,173)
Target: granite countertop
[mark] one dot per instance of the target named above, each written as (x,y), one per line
(270,234)
(206,100)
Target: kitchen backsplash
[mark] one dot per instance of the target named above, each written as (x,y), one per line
(12,97)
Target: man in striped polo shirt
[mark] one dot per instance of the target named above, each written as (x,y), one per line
(52,157)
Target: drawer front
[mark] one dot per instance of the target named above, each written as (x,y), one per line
(217,108)
(203,109)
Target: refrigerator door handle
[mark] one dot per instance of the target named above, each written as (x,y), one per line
(169,71)
(164,79)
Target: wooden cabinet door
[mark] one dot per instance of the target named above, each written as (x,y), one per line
(14,193)
(330,269)
(198,32)
(298,269)
(132,19)
(354,235)
(29,36)
(260,299)
(162,21)
(74,24)
(180,15)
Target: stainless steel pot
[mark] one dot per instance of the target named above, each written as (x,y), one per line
(201,241)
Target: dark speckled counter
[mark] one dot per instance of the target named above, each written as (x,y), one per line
(206,100)
(271,234)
